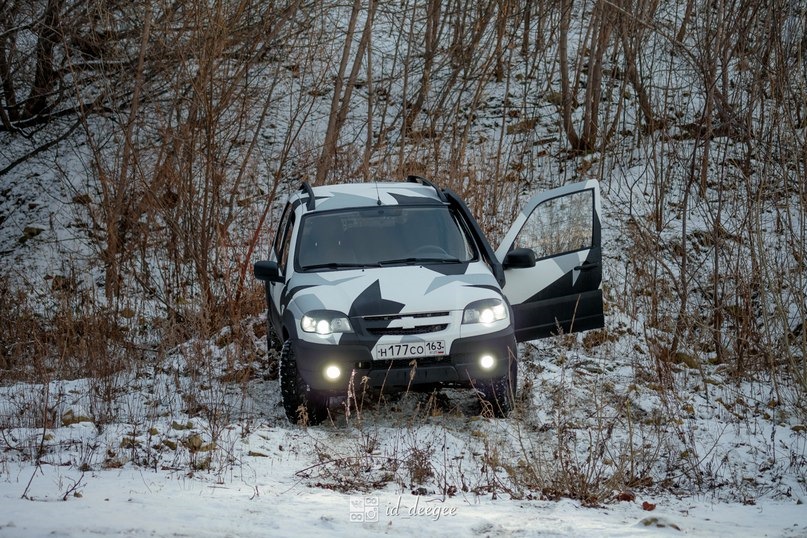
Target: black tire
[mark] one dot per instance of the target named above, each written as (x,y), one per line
(498,395)
(302,406)
(274,346)
(273,341)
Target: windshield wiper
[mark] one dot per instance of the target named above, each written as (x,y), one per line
(399,261)
(333,265)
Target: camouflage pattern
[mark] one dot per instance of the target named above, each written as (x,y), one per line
(401,291)
(418,303)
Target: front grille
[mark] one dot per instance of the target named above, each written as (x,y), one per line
(419,323)
(392,317)
(400,331)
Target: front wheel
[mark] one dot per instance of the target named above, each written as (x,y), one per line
(302,406)
(498,396)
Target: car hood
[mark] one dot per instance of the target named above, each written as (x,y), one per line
(391,290)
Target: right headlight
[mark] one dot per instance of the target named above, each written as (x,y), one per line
(486,311)
(325,322)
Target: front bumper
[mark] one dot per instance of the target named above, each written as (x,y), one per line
(460,367)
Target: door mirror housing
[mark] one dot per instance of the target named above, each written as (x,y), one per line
(519,258)
(268,271)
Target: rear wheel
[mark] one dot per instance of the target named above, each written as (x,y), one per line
(302,406)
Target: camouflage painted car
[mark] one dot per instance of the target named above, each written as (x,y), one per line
(394,286)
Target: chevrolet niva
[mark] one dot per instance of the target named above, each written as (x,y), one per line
(394,286)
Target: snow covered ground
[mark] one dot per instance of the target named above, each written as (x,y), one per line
(413,465)
(194,445)
(264,498)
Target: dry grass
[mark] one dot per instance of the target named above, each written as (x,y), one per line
(705,183)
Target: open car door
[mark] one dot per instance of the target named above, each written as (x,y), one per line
(552,260)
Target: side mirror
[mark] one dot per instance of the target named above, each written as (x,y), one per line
(519,258)
(267,271)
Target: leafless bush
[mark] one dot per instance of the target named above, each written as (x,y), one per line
(199,118)
(21,331)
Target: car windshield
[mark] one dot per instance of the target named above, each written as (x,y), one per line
(381,236)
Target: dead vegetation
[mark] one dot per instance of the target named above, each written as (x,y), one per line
(190,122)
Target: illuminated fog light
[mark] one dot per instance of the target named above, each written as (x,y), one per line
(332,372)
(487,362)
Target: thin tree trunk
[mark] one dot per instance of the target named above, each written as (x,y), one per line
(525,38)
(430,45)
(45,75)
(116,190)
(8,113)
(567,96)
(682,30)
(332,132)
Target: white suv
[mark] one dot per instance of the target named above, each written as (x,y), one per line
(395,286)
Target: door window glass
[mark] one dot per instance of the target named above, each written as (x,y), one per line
(282,250)
(559,225)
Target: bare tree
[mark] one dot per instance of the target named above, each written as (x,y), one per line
(634,21)
(433,16)
(599,34)
(343,88)
(45,73)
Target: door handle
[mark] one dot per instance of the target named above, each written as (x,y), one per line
(587,266)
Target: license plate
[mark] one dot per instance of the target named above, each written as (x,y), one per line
(410,351)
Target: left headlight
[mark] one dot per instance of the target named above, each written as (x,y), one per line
(486,311)
(325,322)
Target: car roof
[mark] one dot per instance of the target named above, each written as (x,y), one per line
(355,195)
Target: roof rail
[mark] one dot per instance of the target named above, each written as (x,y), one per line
(426,182)
(306,188)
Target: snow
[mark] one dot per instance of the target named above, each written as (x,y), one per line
(171,448)
(264,499)
(178,469)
